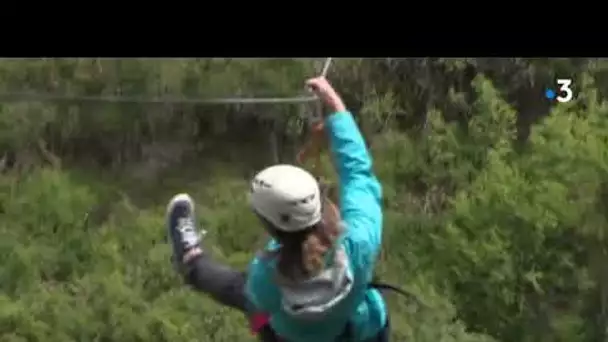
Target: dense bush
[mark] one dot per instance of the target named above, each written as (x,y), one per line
(494,198)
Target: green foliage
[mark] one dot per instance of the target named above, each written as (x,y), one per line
(494,200)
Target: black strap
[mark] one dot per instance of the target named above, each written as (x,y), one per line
(267,334)
(348,329)
(383,286)
(347,335)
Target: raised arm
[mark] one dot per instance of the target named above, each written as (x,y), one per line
(360,191)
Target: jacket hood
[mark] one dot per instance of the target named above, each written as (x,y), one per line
(311,299)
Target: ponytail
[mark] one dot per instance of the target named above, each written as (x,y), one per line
(303,254)
(320,240)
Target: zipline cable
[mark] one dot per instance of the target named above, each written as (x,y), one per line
(53,97)
(50,97)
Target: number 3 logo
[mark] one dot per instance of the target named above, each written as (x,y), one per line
(565,88)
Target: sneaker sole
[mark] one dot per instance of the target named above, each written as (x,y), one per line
(180,198)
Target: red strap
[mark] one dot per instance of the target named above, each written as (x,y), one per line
(258,321)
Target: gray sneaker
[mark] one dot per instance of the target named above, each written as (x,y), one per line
(181,227)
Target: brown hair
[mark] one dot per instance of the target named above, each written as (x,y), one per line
(302,254)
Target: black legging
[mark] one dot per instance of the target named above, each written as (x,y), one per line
(227,286)
(221,282)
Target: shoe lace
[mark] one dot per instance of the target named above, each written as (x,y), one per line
(190,237)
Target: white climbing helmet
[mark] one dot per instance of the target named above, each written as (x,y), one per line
(287,196)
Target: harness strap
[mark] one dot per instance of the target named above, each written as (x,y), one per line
(348,329)
(383,286)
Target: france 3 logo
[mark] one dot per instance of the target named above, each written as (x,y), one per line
(564,91)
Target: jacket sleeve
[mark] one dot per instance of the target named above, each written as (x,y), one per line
(256,282)
(262,293)
(360,191)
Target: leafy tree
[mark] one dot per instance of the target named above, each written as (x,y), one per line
(494,197)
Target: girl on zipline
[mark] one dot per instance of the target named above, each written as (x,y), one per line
(311,282)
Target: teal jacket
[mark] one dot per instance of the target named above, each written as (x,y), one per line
(360,206)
